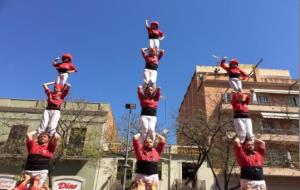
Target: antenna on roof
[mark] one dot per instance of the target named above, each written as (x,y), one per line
(253,69)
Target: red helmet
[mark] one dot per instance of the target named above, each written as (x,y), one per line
(58,86)
(154,24)
(67,56)
(234,62)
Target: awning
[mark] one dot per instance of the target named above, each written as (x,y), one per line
(268,91)
(279,115)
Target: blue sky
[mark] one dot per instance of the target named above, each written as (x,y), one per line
(105,37)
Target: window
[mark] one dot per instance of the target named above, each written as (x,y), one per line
(270,126)
(76,141)
(188,170)
(15,142)
(263,99)
(293,101)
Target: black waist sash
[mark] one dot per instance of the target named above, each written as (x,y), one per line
(62,70)
(234,75)
(153,36)
(52,107)
(148,111)
(252,173)
(151,66)
(37,162)
(146,167)
(239,114)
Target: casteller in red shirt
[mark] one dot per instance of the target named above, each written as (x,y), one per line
(233,70)
(240,105)
(152,58)
(56,98)
(153,31)
(147,156)
(251,161)
(66,66)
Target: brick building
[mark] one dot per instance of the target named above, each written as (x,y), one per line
(274,111)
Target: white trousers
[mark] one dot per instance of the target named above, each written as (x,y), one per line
(150,75)
(49,121)
(146,178)
(42,173)
(243,128)
(235,84)
(62,78)
(253,184)
(148,124)
(154,43)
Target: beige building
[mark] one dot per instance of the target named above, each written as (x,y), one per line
(88,155)
(84,128)
(274,112)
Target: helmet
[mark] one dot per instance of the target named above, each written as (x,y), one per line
(67,55)
(155,24)
(234,62)
(58,86)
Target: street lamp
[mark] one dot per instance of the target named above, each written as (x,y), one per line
(130,107)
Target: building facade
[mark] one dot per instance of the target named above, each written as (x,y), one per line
(274,111)
(84,128)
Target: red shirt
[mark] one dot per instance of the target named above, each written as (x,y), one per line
(65,67)
(149,101)
(55,99)
(152,155)
(152,59)
(34,148)
(233,70)
(256,159)
(240,106)
(154,33)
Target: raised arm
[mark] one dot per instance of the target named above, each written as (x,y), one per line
(29,136)
(157,94)
(147,23)
(66,90)
(261,146)
(144,53)
(222,64)
(247,100)
(45,85)
(136,145)
(161,53)
(140,92)
(161,144)
(55,61)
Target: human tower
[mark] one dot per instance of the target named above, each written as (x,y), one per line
(250,160)
(41,143)
(42,148)
(147,156)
